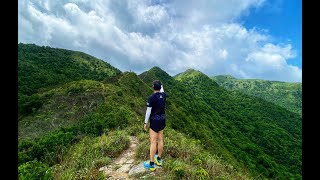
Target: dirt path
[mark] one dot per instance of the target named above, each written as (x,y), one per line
(124,166)
(120,167)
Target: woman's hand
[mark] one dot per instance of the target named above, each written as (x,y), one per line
(145,127)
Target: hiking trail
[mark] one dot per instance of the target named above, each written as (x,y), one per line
(124,166)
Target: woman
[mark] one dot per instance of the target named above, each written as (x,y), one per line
(156,111)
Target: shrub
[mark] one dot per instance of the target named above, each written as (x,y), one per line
(34,170)
(202,173)
(29,104)
(49,148)
(85,158)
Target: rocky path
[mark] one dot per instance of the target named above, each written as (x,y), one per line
(123,167)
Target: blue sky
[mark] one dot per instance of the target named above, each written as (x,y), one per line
(248,39)
(283,20)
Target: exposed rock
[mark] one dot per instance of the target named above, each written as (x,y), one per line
(124,168)
(124,163)
(121,160)
(130,161)
(137,169)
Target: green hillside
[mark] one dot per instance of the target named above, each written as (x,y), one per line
(274,129)
(72,128)
(94,135)
(41,68)
(81,125)
(284,94)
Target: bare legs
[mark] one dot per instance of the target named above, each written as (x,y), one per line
(153,143)
(160,143)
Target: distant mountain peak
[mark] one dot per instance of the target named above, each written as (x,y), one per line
(191,72)
(158,71)
(155,68)
(195,74)
(228,76)
(155,73)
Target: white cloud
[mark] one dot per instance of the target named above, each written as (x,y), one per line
(223,53)
(151,14)
(270,62)
(174,35)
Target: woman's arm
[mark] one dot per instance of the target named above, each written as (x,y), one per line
(161,90)
(148,112)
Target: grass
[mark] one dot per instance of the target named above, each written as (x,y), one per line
(185,158)
(61,107)
(86,157)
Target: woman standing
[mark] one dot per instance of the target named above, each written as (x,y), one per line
(156,111)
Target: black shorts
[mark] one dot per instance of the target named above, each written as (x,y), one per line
(158,122)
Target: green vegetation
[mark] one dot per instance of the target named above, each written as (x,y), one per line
(185,158)
(34,170)
(86,109)
(116,111)
(40,68)
(71,128)
(86,157)
(82,161)
(275,138)
(284,94)
(61,107)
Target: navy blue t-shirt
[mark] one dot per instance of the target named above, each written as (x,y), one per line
(158,103)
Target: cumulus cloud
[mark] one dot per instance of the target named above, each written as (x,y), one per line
(174,35)
(270,61)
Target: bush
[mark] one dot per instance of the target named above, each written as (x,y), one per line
(115,143)
(85,158)
(29,104)
(49,148)
(177,167)
(142,151)
(202,173)
(34,170)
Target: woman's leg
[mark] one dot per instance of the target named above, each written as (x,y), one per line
(153,144)
(160,143)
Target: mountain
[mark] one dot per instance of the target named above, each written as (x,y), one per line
(72,129)
(41,68)
(79,126)
(284,94)
(275,130)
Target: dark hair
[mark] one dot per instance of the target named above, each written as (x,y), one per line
(156,85)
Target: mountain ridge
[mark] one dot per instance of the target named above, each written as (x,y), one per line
(45,66)
(251,111)
(114,108)
(284,94)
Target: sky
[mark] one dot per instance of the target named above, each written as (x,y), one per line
(248,39)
